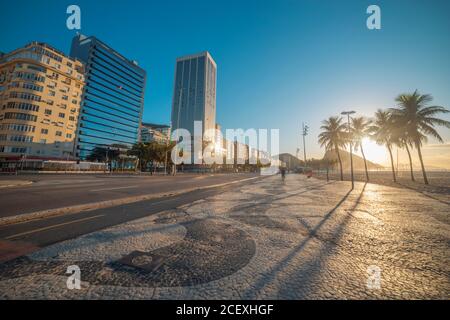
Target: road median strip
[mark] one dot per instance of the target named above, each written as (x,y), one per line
(12,184)
(25,217)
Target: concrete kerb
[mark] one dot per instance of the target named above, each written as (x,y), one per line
(104,204)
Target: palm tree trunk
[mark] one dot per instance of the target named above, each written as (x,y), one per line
(392,163)
(410,162)
(340,163)
(425,179)
(365,162)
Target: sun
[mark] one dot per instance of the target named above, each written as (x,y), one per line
(374,152)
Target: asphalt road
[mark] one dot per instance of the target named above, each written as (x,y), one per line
(26,237)
(58,191)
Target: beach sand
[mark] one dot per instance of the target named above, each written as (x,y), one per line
(439,187)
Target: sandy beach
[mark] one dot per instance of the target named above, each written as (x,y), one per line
(439,187)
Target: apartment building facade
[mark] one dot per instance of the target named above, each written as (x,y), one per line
(155,132)
(40,96)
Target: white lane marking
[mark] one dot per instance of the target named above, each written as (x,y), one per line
(117,188)
(52,227)
(60,187)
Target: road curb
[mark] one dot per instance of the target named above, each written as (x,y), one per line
(104,204)
(25,183)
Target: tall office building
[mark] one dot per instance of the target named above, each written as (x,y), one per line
(113,98)
(40,93)
(194,95)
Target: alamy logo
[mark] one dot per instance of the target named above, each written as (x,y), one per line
(374,20)
(74,280)
(239,147)
(374,277)
(74,20)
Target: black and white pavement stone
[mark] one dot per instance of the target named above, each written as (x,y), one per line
(302,239)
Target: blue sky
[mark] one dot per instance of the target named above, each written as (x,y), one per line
(279,62)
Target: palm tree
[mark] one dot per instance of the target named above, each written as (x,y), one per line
(140,150)
(402,140)
(419,120)
(359,130)
(333,136)
(381,130)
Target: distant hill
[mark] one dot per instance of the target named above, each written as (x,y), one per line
(358,162)
(293,162)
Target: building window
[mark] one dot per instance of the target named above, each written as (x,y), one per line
(25,95)
(21,106)
(36,68)
(18,150)
(58,133)
(17,127)
(28,76)
(32,86)
(48,112)
(20,138)
(62,115)
(20,116)
(54,75)
(44,131)
(52,85)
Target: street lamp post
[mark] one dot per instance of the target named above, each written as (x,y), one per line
(348,113)
(305,129)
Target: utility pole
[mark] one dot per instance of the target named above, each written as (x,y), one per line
(348,113)
(305,129)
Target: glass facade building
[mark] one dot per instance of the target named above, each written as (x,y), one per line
(113,98)
(194,96)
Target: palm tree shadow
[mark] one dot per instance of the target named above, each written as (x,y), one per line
(444,190)
(308,268)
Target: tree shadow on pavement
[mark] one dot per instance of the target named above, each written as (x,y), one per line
(438,190)
(308,271)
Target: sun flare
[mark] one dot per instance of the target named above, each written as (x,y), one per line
(374,152)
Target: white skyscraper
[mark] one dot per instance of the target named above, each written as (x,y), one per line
(194,95)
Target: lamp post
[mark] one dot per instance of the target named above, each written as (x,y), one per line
(348,113)
(305,129)
(165,158)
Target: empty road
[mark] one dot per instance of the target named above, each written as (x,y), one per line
(57,191)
